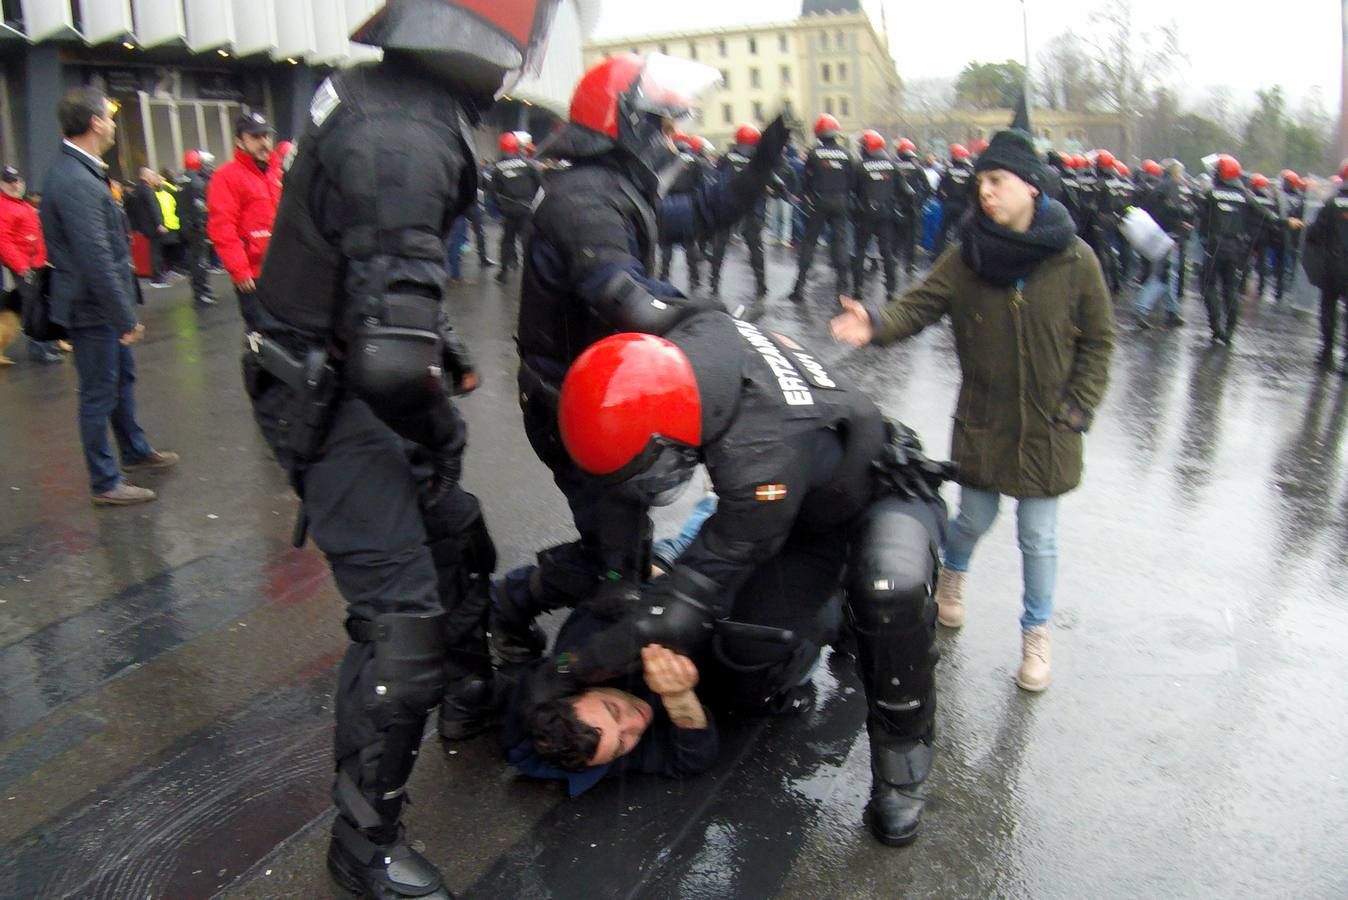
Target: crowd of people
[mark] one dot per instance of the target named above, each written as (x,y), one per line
(823,524)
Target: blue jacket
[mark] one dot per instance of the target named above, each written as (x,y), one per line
(92,282)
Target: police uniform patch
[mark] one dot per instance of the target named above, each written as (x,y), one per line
(324,102)
(770,492)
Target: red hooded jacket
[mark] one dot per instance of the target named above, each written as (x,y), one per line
(241,205)
(21,244)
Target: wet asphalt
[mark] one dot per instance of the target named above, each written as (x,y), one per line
(165,718)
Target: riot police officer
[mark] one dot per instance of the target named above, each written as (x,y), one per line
(1292,203)
(350,371)
(751,227)
(908,216)
(1327,252)
(586,275)
(513,181)
(1229,217)
(1088,203)
(692,178)
(1188,207)
(192,213)
(1063,165)
(954,191)
(879,190)
(1266,233)
(827,191)
(810,478)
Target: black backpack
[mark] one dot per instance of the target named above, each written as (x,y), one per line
(35,297)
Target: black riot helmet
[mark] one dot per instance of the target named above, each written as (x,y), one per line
(479,46)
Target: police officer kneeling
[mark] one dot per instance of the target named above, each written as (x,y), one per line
(347,371)
(806,469)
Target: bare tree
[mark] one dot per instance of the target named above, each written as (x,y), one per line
(1066,77)
(1129,62)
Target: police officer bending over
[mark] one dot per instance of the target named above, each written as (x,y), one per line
(816,491)
(350,372)
(587,275)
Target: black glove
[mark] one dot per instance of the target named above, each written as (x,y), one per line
(679,612)
(906,471)
(458,365)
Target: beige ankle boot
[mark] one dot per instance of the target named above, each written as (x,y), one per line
(1036,658)
(950,598)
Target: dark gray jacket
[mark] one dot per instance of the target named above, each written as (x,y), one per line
(92,282)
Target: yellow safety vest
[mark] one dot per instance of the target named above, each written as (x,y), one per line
(168,205)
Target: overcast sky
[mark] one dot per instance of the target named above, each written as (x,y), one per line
(1295,43)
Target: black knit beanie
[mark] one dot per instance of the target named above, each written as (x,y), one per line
(1013,151)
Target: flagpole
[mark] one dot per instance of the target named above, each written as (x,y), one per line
(1025,31)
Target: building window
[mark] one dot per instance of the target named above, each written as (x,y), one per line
(826,73)
(842,71)
(727,113)
(844,108)
(786,76)
(725,79)
(692,50)
(841,43)
(828,105)
(636,50)
(823,40)
(720,46)
(781,43)
(754,80)
(664,48)
(753,46)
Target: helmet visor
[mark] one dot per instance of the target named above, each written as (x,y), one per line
(671,87)
(658,474)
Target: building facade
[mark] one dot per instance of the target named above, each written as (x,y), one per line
(832,61)
(1070,132)
(183,70)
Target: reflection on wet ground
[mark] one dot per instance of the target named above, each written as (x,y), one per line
(165,722)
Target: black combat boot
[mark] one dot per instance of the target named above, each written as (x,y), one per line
(390,870)
(898,793)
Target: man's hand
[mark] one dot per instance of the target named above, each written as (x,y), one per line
(667,672)
(673,677)
(853,325)
(247,286)
(132,336)
(1294,223)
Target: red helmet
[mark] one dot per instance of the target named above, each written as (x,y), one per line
(905,146)
(978,146)
(630,412)
(1104,159)
(1302,182)
(192,159)
(1080,161)
(1289,177)
(684,141)
(747,135)
(959,151)
(509,143)
(872,141)
(1122,169)
(482,45)
(1151,167)
(826,126)
(1258,180)
(1228,166)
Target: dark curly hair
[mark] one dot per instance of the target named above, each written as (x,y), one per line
(561,739)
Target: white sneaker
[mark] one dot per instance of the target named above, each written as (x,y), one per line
(950,598)
(1036,658)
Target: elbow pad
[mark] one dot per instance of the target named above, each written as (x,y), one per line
(627,306)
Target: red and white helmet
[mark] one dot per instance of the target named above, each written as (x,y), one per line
(826,126)
(1228,166)
(903,145)
(872,141)
(959,151)
(747,135)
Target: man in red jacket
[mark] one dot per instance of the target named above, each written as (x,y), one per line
(241,205)
(21,249)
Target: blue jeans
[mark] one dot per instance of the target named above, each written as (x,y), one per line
(778,226)
(107,396)
(1159,282)
(670,548)
(454,244)
(1036,531)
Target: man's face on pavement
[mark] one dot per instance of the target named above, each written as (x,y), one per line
(620,718)
(258,146)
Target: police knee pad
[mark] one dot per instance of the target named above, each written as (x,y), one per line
(409,673)
(891,569)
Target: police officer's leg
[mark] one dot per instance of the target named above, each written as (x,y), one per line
(197,264)
(907,241)
(719,242)
(814,226)
(864,229)
(891,569)
(1230,297)
(1207,285)
(1329,319)
(753,239)
(692,257)
(475,219)
(885,238)
(799,589)
(362,502)
(837,247)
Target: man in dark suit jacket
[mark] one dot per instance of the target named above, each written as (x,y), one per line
(93,294)
(147,218)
